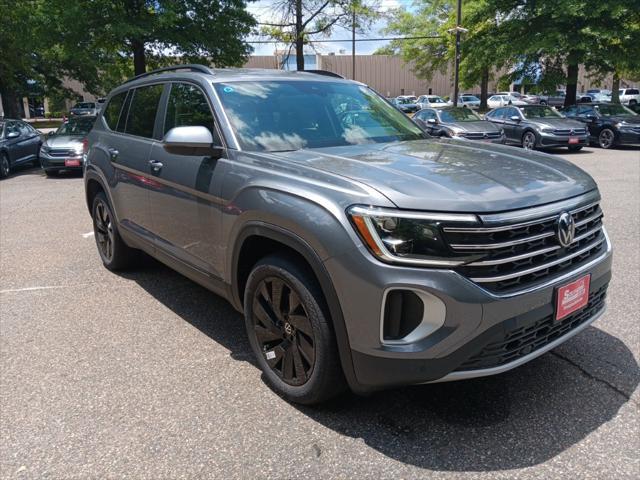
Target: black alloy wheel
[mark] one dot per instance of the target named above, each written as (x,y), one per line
(5,167)
(105,237)
(283,331)
(606,139)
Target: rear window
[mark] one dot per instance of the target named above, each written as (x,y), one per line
(142,111)
(112,112)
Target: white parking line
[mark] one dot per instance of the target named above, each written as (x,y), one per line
(87,235)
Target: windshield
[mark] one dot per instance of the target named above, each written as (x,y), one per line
(290,115)
(615,109)
(435,100)
(85,105)
(404,101)
(458,115)
(540,112)
(470,98)
(76,127)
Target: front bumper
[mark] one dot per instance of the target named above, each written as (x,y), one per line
(551,140)
(49,162)
(626,137)
(475,319)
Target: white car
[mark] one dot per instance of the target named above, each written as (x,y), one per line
(496,101)
(517,96)
(469,101)
(629,96)
(432,101)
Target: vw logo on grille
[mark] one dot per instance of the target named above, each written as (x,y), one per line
(565,229)
(486,135)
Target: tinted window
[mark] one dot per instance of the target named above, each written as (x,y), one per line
(142,112)
(570,110)
(462,114)
(112,112)
(540,112)
(585,110)
(188,107)
(632,91)
(80,126)
(614,109)
(12,127)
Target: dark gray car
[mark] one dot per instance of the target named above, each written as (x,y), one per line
(84,108)
(458,122)
(539,126)
(19,144)
(361,252)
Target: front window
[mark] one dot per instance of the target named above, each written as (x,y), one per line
(615,109)
(85,105)
(404,101)
(436,100)
(458,115)
(540,112)
(76,127)
(470,98)
(290,115)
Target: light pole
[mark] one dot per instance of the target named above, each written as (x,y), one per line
(458,31)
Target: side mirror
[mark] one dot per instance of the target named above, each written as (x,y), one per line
(432,121)
(515,118)
(13,134)
(194,140)
(51,133)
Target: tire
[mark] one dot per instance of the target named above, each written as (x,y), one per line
(51,173)
(299,359)
(633,101)
(5,166)
(529,140)
(542,102)
(115,254)
(606,138)
(575,148)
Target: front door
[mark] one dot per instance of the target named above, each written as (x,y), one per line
(185,207)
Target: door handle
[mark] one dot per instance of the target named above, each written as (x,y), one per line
(113,154)
(155,165)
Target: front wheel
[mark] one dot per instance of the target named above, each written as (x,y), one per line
(115,254)
(290,333)
(5,166)
(529,141)
(606,139)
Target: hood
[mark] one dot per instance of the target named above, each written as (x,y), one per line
(452,176)
(626,120)
(64,141)
(479,126)
(556,123)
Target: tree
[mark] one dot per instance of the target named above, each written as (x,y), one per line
(295,21)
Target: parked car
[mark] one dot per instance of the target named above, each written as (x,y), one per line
(19,144)
(592,97)
(432,101)
(360,251)
(609,124)
(501,100)
(458,122)
(629,96)
(516,95)
(539,126)
(555,99)
(406,105)
(64,148)
(601,91)
(469,101)
(84,108)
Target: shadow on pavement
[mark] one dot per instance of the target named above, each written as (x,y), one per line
(514,420)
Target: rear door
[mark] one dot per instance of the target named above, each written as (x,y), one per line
(129,146)
(32,141)
(186,205)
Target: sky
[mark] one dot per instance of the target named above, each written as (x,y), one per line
(262,10)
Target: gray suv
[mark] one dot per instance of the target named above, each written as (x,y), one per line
(361,252)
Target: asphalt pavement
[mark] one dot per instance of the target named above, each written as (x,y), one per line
(147,375)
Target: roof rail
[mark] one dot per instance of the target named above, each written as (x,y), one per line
(193,67)
(326,73)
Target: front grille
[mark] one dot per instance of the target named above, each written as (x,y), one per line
(62,152)
(516,256)
(565,132)
(482,135)
(523,340)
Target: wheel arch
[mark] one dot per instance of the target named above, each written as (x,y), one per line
(271,239)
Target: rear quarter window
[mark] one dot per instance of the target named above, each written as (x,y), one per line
(112,112)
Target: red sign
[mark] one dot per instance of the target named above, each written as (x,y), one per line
(572,297)
(71,162)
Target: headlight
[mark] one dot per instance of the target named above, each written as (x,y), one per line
(547,130)
(78,149)
(458,133)
(406,237)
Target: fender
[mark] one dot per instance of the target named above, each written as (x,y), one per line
(299,245)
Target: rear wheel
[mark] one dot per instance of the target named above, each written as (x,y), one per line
(289,332)
(5,166)
(575,148)
(607,138)
(529,140)
(115,254)
(633,101)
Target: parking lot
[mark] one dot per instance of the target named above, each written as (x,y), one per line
(147,375)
